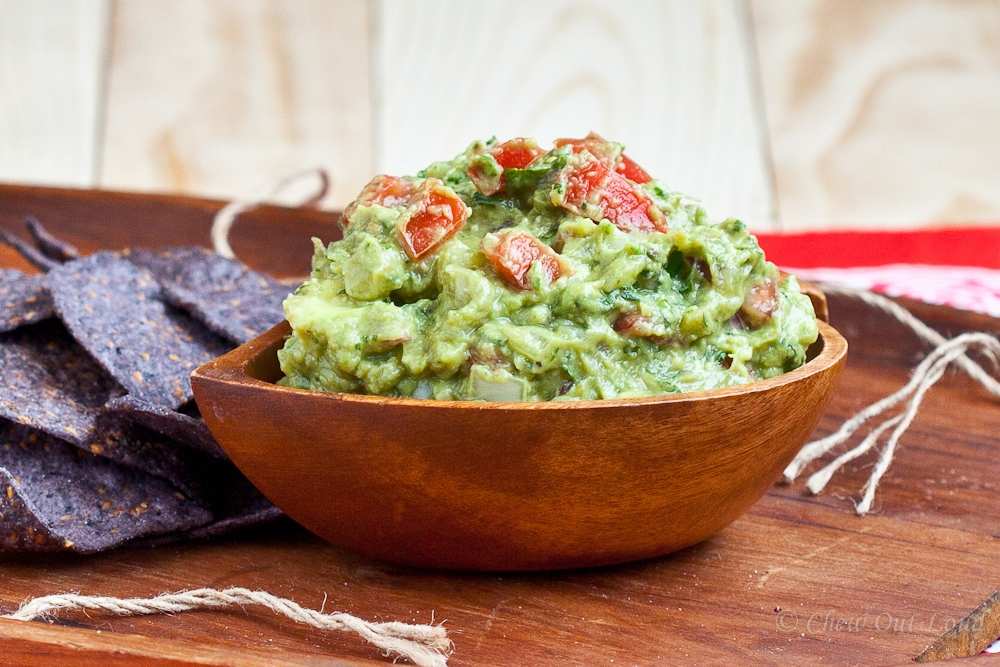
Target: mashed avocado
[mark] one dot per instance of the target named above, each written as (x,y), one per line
(512,273)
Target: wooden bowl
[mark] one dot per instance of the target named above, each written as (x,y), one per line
(511,486)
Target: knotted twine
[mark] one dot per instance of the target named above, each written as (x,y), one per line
(424,645)
(926,374)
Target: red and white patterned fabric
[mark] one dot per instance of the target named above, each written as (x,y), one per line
(965,287)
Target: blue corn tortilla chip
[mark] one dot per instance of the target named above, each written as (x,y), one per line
(63,385)
(229,298)
(50,246)
(180,264)
(121,441)
(261,511)
(49,382)
(196,473)
(24,299)
(233,501)
(54,497)
(239,315)
(34,256)
(182,428)
(116,311)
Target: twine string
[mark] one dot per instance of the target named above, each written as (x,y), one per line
(818,448)
(227,215)
(423,645)
(930,370)
(817,482)
(935,373)
(906,317)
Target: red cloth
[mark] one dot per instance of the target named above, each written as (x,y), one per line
(954,246)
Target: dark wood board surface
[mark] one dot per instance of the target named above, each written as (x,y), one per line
(797,580)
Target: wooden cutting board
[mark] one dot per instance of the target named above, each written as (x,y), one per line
(798,580)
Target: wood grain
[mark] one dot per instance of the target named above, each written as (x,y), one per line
(142,220)
(30,644)
(52,57)
(882,113)
(672,80)
(223,96)
(920,563)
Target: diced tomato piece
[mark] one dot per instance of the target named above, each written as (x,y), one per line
(383,190)
(630,170)
(592,190)
(581,183)
(517,153)
(637,325)
(609,154)
(628,207)
(513,253)
(760,304)
(487,175)
(433,214)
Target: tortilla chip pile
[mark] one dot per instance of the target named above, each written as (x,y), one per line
(100,440)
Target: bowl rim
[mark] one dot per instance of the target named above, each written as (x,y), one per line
(233,368)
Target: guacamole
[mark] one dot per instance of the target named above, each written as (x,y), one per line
(512,273)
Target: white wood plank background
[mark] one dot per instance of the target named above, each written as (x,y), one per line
(52,62)
(883,113)
(219,97)
(668,78)
(879,113)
